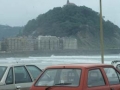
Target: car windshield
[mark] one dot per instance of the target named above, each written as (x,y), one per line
(2,71)
(59,77)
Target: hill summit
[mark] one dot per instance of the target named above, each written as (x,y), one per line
(80,22)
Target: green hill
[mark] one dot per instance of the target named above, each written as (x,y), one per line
(76,21)
(8,31)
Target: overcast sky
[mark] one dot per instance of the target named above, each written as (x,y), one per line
(19,12)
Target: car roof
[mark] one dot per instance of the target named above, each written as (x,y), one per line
(90,65)
(13,64)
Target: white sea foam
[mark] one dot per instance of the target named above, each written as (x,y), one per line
(43,62)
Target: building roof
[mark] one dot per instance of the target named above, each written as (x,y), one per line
(69,3)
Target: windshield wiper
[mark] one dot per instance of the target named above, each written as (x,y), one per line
(48,88)
(58,84)
(63,84)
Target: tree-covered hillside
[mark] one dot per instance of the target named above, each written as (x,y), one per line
(77,21)
(7,31)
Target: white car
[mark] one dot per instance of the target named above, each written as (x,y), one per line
(18,76)
(116,64)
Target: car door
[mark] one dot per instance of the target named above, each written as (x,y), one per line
(9,81)
(113,77)
(23,80)
(95,80)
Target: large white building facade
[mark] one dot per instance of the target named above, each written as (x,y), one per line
(48,43)
(69,43)
(19,44)
(41,43)
(56,43)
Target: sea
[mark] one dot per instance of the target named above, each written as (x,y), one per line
(43,62)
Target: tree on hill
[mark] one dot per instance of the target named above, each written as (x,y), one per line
(8,31)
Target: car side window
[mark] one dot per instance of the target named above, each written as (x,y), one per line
(21,75)
(35,71)
(2,71)
(112,75)
(9,79)
(95,78)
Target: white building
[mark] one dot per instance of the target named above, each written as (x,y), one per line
(48,43)
(69,43)
(19,44)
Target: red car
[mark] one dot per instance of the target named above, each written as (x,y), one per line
(78,77)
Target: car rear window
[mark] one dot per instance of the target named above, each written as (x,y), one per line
(60,77)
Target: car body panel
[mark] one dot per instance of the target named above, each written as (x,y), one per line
(23,86)
(8,87)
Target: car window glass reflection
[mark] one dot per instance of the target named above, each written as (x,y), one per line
(9,79)
(21,75)
(64,77)
(35,71)
(2,71)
